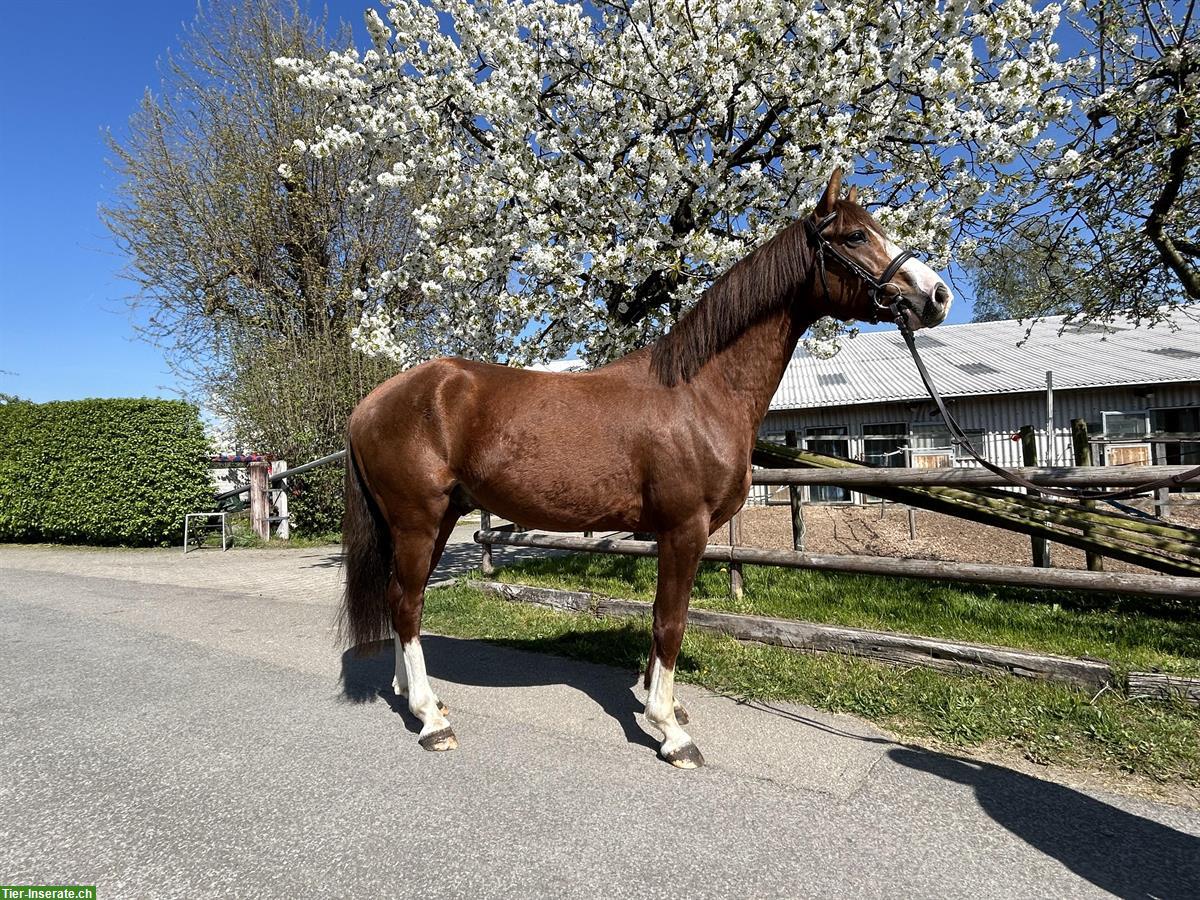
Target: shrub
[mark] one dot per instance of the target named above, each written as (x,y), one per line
(315,500)
(101,471)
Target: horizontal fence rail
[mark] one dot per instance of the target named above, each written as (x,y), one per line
(296,470)
(1107,582)
(1065,476)
(896,648)
(286,473)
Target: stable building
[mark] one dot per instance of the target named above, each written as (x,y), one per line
(1138,388)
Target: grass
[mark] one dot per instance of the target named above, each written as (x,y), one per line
(1045,723)
(1134,634)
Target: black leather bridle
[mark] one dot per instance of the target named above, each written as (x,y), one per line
(886,298)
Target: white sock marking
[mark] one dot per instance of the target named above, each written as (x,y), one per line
(421,699)
(400,682)
(660,707)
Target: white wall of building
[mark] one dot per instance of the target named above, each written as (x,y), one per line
(998,416)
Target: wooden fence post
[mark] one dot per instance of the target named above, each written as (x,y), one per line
(260,499)
(795,500)
(1083,457)
(485,556)
(1041,547)
(736,587)
(1162,503)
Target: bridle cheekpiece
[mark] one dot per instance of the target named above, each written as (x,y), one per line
(885,296)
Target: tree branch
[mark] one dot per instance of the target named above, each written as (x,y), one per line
(1188,275)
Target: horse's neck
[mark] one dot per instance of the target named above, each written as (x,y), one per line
(751,367)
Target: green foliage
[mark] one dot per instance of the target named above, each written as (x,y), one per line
(1020,276)
(101,471)
(315,501)
(252,275)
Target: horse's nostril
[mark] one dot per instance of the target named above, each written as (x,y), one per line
(941,295)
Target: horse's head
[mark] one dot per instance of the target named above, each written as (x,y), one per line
(861,272)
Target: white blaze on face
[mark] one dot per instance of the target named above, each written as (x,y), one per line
(923,278)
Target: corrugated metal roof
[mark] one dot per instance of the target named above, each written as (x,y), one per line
(559,365)
(994,358)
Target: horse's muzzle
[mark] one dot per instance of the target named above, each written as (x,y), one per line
(936,307)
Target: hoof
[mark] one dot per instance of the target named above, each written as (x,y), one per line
(681,714)
(442,739)
(686,757)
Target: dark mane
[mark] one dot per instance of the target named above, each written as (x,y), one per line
(761,282)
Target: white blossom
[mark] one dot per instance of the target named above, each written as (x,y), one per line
(566,159)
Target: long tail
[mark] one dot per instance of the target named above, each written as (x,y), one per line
(366,615)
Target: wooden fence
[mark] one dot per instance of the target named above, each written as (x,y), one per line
(262,485)
(885,646)
(1185,542)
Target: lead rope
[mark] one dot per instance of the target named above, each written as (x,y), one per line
(960,438)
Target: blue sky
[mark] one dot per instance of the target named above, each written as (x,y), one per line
(69,72)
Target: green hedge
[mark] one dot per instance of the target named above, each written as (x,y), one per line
(316,501)
(101,471)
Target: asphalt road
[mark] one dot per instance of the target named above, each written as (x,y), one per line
(170,740)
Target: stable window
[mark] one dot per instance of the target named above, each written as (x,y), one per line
(1179,420)
(975,436)
(933,448)
(886,444)
(932,436)
(1176,435)
(831,440)
(1125,424)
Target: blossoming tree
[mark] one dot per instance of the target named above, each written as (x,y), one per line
(588,172)
(1119,231)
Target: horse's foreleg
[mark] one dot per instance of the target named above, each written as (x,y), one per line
(400,680)
(414,555)
(679,554)
(681,713)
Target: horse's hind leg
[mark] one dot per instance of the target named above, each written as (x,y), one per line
(396,599)
(416,548)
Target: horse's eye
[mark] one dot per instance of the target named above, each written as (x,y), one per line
(857,237)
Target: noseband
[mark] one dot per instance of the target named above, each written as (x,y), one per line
(885,296)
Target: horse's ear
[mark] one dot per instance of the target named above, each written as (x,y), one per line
(829,198)
(853,195)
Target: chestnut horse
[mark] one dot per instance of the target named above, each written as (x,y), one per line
(658,441)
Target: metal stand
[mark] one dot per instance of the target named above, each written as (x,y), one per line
(223,516)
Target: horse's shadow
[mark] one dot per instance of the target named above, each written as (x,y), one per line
(1120,852)
(367,672)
